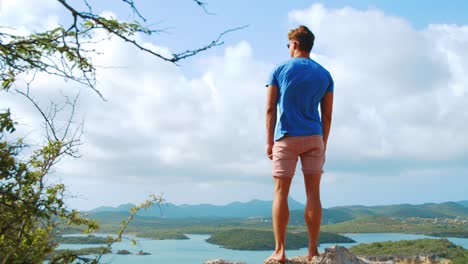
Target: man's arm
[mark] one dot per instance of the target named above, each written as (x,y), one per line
(326,107)
(272,98)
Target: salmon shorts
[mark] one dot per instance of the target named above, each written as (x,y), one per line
(288,149)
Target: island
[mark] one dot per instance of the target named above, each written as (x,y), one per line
(162,234)
(123,252)
(251,239)
(142,253)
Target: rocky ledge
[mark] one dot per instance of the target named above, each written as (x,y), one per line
(341,255)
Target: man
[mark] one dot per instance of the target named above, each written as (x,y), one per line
(296,88)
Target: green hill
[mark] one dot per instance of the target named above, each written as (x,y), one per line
(438,247)
(367,224)
(382,224)
(401,211)
(427,210)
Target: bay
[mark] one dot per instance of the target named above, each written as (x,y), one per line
(196,250)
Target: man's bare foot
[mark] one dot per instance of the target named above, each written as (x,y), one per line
(276,257)
(312,253)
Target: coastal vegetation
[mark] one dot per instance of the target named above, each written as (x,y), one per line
(450,233)
(441,248)
(380,224)
(163,234)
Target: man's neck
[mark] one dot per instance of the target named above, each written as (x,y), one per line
(301,54)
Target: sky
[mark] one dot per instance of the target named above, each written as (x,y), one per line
(195,132)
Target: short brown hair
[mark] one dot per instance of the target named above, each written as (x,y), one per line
(303,36)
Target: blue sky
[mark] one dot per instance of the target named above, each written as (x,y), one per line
(195,132)
(187,23)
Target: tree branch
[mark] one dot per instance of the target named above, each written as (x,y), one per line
(203,5)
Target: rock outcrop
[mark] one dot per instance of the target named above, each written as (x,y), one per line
(332,255)
(341,255)
(221,261)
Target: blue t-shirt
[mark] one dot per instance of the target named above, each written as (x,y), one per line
(301,83)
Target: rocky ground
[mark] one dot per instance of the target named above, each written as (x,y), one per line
(341,255)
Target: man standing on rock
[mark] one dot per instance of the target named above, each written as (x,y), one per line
(296,88)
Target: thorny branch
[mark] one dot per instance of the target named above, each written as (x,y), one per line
(65,52)
(70,137)
(203,5)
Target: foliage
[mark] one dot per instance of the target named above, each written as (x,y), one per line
(124,224)
(439,247)
(31,208)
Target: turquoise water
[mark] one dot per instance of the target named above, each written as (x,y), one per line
(196,250)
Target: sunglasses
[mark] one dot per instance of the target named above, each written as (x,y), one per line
(289,44)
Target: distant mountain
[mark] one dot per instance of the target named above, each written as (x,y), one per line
(120,208)
(253,208)
(258,208)
(464,203)
(427,210)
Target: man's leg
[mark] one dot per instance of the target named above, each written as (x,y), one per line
(280,216)
(313,211)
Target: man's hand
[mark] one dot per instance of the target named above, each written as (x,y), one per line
(326,106)
(272,99)
(270,151)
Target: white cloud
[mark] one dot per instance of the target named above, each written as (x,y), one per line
(28,16)
(399,91)
(158,124)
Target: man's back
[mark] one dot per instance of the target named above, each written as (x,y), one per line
(301,83)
